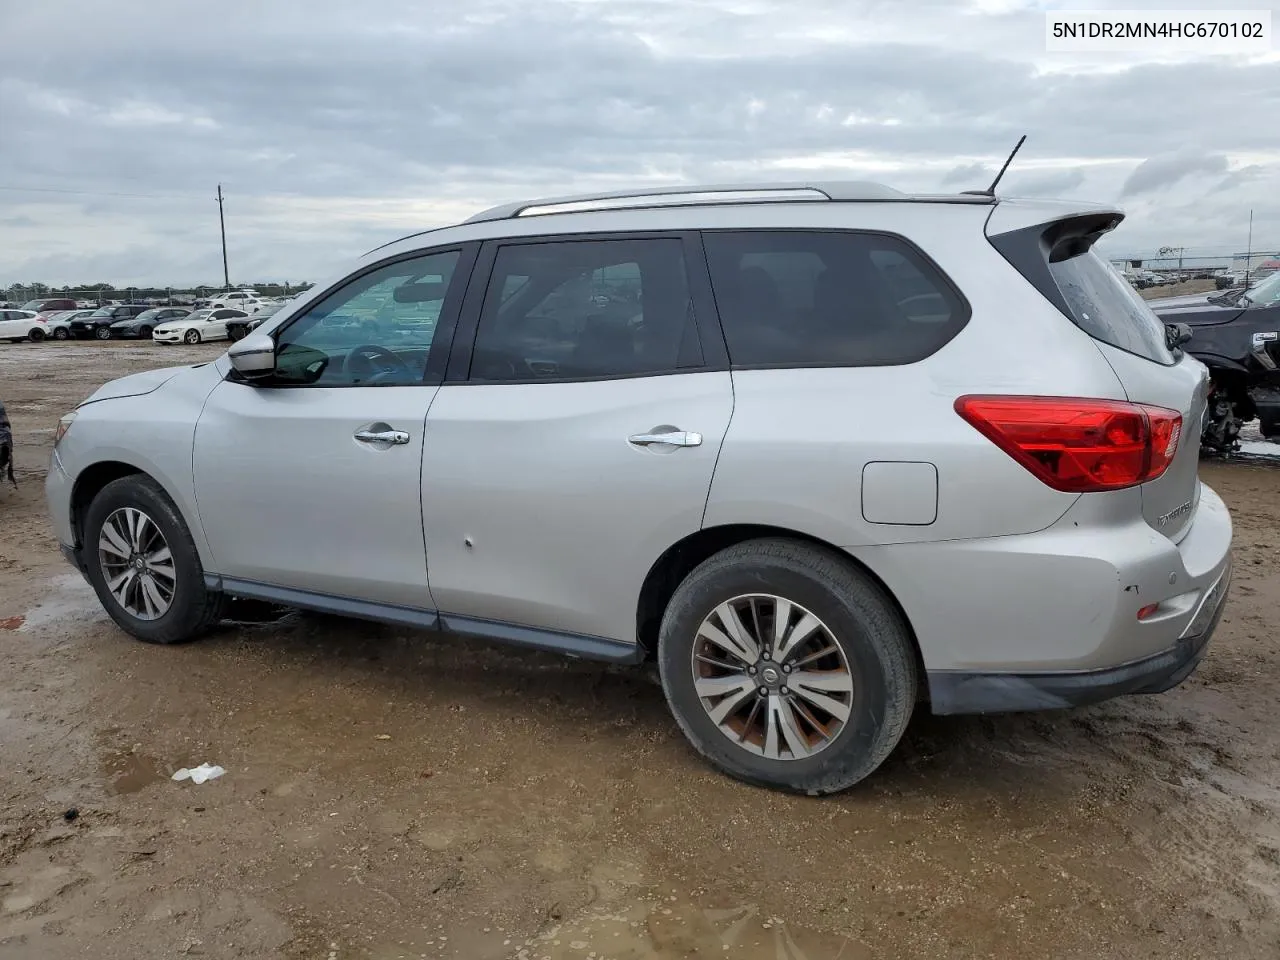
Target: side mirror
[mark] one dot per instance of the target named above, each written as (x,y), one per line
(1177,334)
(253,356)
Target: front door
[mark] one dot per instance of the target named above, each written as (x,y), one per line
(581,439)
(310,479)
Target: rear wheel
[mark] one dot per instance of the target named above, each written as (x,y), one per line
(787,667)
(102,333)
(35,335)
(143,563)
(192,336)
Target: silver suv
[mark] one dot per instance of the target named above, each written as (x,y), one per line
(822,450)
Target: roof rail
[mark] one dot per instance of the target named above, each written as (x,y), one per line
(692,195)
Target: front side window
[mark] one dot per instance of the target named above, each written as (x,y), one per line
(796,298)
(375,331)
(583,309)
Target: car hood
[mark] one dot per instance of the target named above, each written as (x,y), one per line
(170,325)
(136,384)
(1196,309)
(125,323)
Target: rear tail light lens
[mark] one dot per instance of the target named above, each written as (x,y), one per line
(1078,445)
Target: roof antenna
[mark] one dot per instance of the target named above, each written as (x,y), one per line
(991,190)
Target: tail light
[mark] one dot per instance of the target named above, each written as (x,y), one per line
(1078,445)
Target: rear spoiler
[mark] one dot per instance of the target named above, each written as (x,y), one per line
(1031,248)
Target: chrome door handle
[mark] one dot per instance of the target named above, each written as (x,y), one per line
(676,438)
(382,436)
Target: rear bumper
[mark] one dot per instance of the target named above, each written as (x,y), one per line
(961,692)
(1096,605)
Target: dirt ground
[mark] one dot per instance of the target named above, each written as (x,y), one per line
(393,794)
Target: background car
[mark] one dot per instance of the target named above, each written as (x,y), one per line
(19,325)
(47,306)
(98,324)
(237,328)
(59,322)
(196,327)
(145,322)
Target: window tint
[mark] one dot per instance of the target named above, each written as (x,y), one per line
(1108,309)
(375,331)
(578,309)
(796,298)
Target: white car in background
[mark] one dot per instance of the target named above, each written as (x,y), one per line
(245,300)
(208,324)
(59,323)
(17,325)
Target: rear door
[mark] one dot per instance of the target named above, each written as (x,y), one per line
(1132,339)
(575,441)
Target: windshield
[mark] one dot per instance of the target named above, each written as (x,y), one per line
(198,315)
(103,312)
(268,310)
(1265,292)
(1109,309)
(32,305)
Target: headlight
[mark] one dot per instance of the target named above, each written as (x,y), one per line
(63,426)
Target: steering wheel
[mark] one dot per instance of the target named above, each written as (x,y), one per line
(367,361)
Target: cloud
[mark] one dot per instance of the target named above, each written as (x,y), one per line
(336,130)
(1158,172)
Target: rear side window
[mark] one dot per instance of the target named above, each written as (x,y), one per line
(1108,309)
(791,298)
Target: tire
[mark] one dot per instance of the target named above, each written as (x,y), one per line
(102,333)
(1269,428)
(191,336)
(234,334)
(144,333)
(60,333)
(35,335)
(193,608)
(854,613)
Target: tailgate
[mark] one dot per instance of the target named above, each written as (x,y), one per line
(1169,502)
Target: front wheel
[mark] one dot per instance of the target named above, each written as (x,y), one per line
(102,333)
(35,335)
(234,334)
(60,333)
(143,563)
(192,336)
(144,333)
(787,667)
(1270,428)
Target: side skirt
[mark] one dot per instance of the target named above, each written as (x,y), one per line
(569,644)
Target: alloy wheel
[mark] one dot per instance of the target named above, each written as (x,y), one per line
(137,564)
(772,677)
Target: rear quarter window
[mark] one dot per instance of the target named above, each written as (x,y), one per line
(800,298)
(1107,308)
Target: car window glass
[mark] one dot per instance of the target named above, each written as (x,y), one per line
(832,298)
(586,308)
(1109,309)
(375,331)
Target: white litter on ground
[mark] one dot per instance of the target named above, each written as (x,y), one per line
(70,599)
(206,771)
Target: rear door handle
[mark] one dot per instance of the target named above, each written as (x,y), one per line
(674,438)
(382,436)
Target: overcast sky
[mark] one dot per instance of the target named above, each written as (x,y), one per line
(336,125)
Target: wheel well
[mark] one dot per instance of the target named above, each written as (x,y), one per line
(680,559)
(88,484)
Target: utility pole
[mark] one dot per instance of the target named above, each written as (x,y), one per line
(222,224)
(1248,256)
